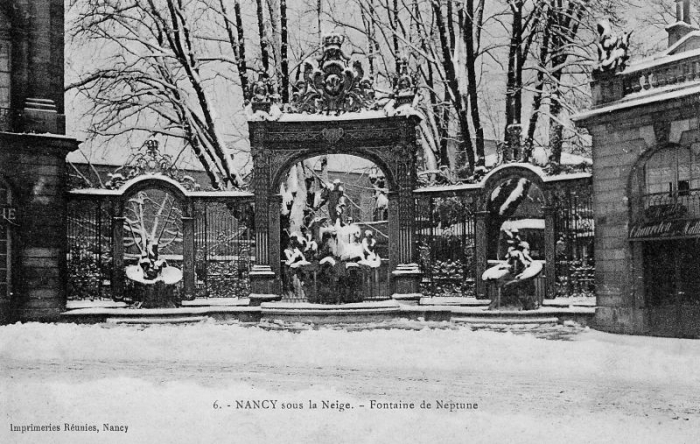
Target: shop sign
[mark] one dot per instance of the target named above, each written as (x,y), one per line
(666,229)
(8,215)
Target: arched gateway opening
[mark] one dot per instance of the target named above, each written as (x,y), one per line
(388,142)
(334,231)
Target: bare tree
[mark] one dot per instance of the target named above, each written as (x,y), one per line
(159,75)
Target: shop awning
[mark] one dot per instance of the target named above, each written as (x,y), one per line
(668,229)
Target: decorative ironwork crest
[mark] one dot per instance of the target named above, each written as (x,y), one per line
(333,86)
(149,160)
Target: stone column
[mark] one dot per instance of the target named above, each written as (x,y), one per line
(406,274)
(481,244)
(263,280)
(550,241)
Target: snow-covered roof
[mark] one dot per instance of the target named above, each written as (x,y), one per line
(664,57)
(642,98)
(687,47)
(477,186)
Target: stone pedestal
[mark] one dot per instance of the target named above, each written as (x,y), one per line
(407,282)
(264,285)
(158,295)
(40,116)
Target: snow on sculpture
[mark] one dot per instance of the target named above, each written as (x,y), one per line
(150,224)
(515,275)
(612,49)
(329,258)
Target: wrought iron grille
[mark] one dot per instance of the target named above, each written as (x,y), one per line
(446,235)
(224,248)
(89,258)
(574,229)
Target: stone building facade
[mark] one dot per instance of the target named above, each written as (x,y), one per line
(645,126)
(32,160)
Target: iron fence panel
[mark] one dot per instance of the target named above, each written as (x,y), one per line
(89,249)
(446,239)
(224,249)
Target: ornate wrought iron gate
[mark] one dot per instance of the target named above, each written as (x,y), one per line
(223,249)
(446,235)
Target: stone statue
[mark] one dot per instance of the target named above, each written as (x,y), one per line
(514,277)
(612,49)
(156,278)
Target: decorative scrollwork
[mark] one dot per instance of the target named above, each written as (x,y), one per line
(149,160)
(332,135)
(333,87)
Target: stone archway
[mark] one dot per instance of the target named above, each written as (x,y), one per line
(389,142)
(519,175)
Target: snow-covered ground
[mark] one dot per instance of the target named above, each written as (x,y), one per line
(163,381)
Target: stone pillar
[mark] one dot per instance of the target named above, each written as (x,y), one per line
(550,241)
(481,244)
(188,259)
(406,274)
(263,280)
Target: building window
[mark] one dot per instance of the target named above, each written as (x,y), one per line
(672,183)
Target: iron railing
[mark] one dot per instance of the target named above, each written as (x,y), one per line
(681,204)
(574,228)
